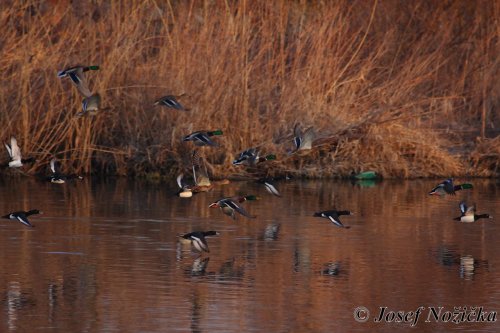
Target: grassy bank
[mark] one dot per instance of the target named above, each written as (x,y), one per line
(406,88)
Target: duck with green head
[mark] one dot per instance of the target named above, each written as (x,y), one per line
(202,138)
(251,157)
(447,187)
(78,78)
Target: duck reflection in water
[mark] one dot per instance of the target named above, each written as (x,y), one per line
(331,269)
(229,271)
(199,266)
(467,263)
(271,232)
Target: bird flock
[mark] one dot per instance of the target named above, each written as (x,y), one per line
(230,206)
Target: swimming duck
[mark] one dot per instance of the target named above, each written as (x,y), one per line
(57,177)
(197,240)
(251,157)
(447,187)
(469,214)
(78,78)
(90,105)
(170,101)
(333,215)
(22,216)
(15,155)
(229,206)
(202,138)
(302,141)
(270,187)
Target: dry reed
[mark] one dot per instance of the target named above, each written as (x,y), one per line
(382,82)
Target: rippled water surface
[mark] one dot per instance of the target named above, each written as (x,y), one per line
(103,257)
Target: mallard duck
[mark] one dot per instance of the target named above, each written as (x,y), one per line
(22,216)
(469,214)
(447,187)
(302,141)
(202,138)
(229,206)
(90,106)
(202,182)
(333,215)
(251,157)
(57,177)
(15,155)
(170,101)
(269,185)
(197,239)
(78,78)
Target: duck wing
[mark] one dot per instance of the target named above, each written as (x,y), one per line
(470,211)
(463,207)
(233,205)
(21,217)
(14,151)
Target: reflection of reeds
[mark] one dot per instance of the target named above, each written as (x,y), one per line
(375,80)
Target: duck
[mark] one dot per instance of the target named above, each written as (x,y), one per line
(197,240)
(22,216)
(170,101)
(202,182)
(251,157)
(269,185)
(90,105)
(78,78)
(202,138)
(15,155)
(333,215)
(447,187)
(229,206)
(57,177)
(469,214)
(302,140)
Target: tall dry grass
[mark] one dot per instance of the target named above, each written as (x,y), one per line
(389,85)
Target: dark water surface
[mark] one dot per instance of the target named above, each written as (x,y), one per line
(104,258)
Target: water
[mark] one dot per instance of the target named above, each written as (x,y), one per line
(103,257)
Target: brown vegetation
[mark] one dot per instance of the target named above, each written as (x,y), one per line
(388,85)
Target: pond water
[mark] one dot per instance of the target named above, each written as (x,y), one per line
(103,257)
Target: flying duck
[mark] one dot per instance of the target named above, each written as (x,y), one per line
(251,157)
(15,155)
(447,187)
(469,214)
(57,177)
(78,78)
(22,216)
(229,206)
(302,140)
(202,138)
(170,101)
(197,240)
(333,215)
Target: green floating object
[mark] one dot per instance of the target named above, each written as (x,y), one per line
(367,175)
(466,186)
